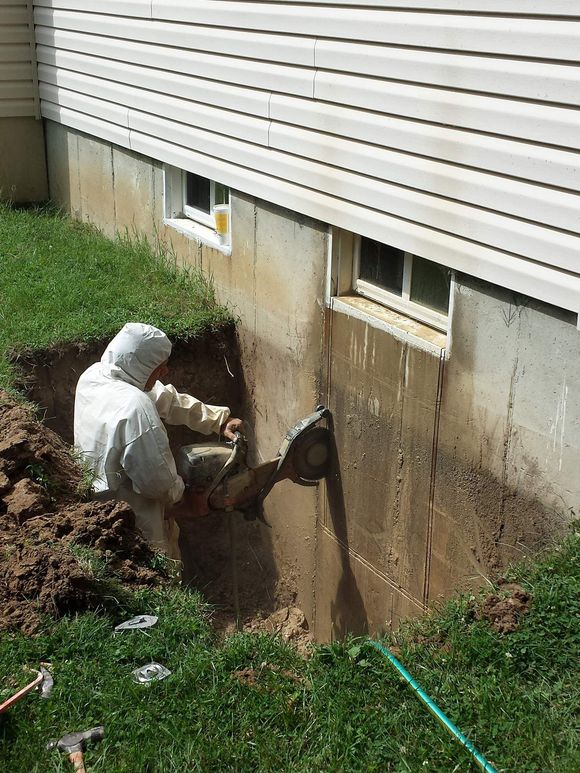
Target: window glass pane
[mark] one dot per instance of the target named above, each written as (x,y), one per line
(382,265)
(222,194)
(430,284)
(197,192)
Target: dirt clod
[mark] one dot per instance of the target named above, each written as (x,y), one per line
(505,609)
(25,500)
(46,533)
(289,623)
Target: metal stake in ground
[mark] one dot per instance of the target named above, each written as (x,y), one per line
(74,744)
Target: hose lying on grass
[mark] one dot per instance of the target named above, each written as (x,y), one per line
(434,709)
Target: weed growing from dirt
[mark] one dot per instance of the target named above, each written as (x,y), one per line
(62,281)
(252,704)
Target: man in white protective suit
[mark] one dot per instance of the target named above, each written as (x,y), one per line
(120,406)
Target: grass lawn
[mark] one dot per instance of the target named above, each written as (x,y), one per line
(251,703)
(63,281)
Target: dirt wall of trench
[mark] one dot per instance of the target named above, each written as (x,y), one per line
(209,368)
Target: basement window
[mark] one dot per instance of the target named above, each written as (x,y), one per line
(405,294)
(407,283)
(198,207)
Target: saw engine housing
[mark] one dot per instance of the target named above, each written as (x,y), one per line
(218,477)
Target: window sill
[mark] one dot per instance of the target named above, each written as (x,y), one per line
(199,232)
(403,328)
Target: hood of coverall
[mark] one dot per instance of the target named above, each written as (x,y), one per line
(134,353)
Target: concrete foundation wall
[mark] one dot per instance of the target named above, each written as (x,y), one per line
(449,462)
(273,282)
(509,438)
(22,161)
(450,465)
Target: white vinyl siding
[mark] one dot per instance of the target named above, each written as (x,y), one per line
(447,128)
(18,86)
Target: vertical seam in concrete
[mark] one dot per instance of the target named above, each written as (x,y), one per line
(78,153)
(400,455)
(506,448)
(327,325)
(113,184)
(433,478)
(254,267)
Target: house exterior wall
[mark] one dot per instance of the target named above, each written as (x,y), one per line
(446,128)
(455,454)
(18,87)
(22,158)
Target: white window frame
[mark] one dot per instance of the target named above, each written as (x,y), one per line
(199,215)
(192,222)
(401,303)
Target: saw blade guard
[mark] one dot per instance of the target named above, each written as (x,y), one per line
(304,456)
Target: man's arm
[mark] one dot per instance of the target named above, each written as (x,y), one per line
(182,409)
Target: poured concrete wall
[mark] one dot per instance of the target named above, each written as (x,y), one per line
(273,282)
(22,161)
(375,529)
(452,462)
(509,437)
(452,457)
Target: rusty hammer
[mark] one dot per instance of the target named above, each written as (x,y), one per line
(74,745)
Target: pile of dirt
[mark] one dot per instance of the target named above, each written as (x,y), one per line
(505,609)
(289,624)
(47,532)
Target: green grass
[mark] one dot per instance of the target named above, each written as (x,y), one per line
(62,281)
(515,695)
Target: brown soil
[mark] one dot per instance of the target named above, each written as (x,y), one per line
(289,624)
(41,516)
(505,609)
(46,527)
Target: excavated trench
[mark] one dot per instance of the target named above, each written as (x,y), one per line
(209,368)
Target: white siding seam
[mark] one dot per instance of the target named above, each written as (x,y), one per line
(269,119)
(315,70)
(64,91)
(33,62)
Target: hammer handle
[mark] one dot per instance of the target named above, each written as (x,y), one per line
(78,762)
(21,693)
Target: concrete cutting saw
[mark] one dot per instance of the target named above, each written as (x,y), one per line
(217,476)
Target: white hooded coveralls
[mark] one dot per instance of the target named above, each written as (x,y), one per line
(118,427)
